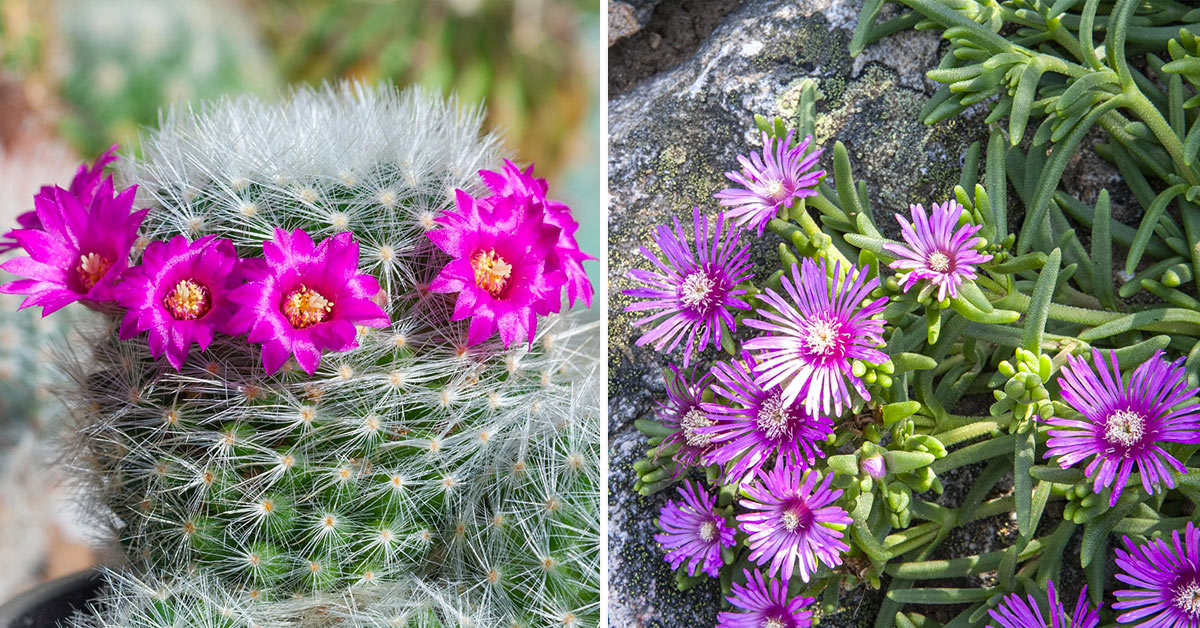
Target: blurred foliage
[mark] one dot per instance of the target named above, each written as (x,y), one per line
(129,58)
(523,58)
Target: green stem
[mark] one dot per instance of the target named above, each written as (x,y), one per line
(1145,110)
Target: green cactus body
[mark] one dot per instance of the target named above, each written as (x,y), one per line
(411,458)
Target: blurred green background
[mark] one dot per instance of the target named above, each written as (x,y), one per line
(77,76)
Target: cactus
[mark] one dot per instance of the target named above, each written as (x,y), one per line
(415,458)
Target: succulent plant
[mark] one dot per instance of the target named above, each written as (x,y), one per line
(898,367)
(324,464)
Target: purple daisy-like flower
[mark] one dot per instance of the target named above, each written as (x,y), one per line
(765,605)
(814,337)
(83,187)
(779,177)
(1015,612)
(78,251)
(758,424)
(1124,424)
(502,266)
(938,250)
(693,291)
(793,521)
(304,298)
(693,532)
(1166,577)
(524,188)
(682,411)
(180,295)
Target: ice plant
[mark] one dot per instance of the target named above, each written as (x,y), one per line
(815,333)
(78,252)
(1164,576)
(180,295)
(306,298)
(793,521)
(937,249)
(693,532)
(503,265)
(693,290)
(83,187)
(1015,612)
(1124,425)
(780,177)
(756,425)
(765,604)
(523,189)
(683,413)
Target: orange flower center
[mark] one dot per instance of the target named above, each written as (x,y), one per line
(91,269)
(305,307)
(491,271)
(188,300)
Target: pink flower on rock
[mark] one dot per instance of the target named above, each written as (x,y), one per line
(523,188)
(780,177)
(83,188)
(937,249)
(180,295)
(504,267)
(77,251)
(305,298)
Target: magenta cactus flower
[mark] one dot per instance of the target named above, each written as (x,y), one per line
(504,267)
(757,425)
(765,605)
(78,252)
(1165,580)
(83,187)
(691,295)
(180,295)
(305,298)
(692,531)
(777,179)
(816,333)
(682,411)
(1015,612)
(937,249)
(793,521)
(1124,425)
(524,189)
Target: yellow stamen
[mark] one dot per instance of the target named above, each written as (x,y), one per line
(491,272)
(305,307)
(188,300)
(91,269)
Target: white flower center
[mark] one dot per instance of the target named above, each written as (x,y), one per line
(693,419)
(775,190)
(1124,428)
(1188,599)
(773,622)
(939,261)
(773,417)
(822,337)
(708,530)
(696,291)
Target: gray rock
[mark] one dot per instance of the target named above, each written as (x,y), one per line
(671,139)
(628,17)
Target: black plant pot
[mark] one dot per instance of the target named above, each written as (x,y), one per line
(47,604)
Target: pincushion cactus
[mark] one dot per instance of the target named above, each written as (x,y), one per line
(278,403)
